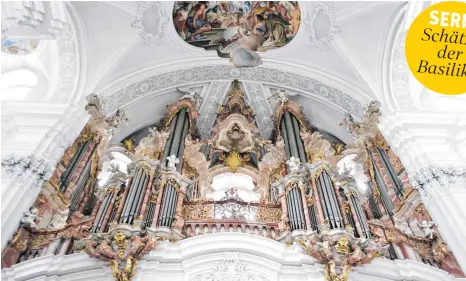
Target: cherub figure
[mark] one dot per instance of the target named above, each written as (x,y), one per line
(29,217)
(294,164)
(427,228)
(153,131)
(191,95)
(172,161)
(282,96)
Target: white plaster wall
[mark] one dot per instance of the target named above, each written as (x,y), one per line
(201,257)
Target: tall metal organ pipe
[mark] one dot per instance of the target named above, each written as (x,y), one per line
(179,129)
(77,157)
(396,182)
(129,199)
(383,190)
(294,147)
(329,201)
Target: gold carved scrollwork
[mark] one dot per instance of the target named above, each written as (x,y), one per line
(317,155)
(331,273)
(124,274)
(172,183)
(342,247)
(39,241)
(310,201)
(198,211)
(290,186)
(234,161)
(20,240)
(347,208)
(146,169)
(269,214)
(120,241)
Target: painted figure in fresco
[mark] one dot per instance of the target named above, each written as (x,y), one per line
(230,25)
(19,46)
(196,23)
(179,18)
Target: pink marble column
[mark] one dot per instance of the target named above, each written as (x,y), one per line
(109,209)
(284,218)
(83,203)
(370,216)
(96,208)
(320,213)
(146,198)
(306,210)
(179,209)
(157,207)
(123,199)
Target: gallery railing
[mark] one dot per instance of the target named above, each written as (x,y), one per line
(231,215)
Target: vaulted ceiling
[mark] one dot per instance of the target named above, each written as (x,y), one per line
(340,73)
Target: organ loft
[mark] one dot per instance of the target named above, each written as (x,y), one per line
(342,206)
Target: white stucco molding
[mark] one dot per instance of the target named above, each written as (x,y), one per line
(118,96)
(227,255)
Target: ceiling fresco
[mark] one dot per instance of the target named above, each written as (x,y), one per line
(225,26)
(19,46)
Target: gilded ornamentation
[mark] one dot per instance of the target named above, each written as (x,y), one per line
(20,240)
(39,241)
(342,247)
(121,251)
(331,273)
(338,149)
(346,208)
(234,161)
(310,201)
(129,144)
(290,186)
(269,214)
(124,274)
(339,254)
(120,241)
(317,155)
(198,211)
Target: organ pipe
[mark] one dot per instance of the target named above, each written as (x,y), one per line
(396,182)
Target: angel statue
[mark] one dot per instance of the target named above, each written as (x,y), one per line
(427,228)
(153,131)
(59,220)
(29,217)
(191,95)
(294,164)
(282,96)
(172,161)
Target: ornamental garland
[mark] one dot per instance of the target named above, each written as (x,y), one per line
(438,175)
(22,165)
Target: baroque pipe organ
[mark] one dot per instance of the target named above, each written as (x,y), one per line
(290,188)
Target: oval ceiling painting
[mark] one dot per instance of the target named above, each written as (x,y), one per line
(227,25)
